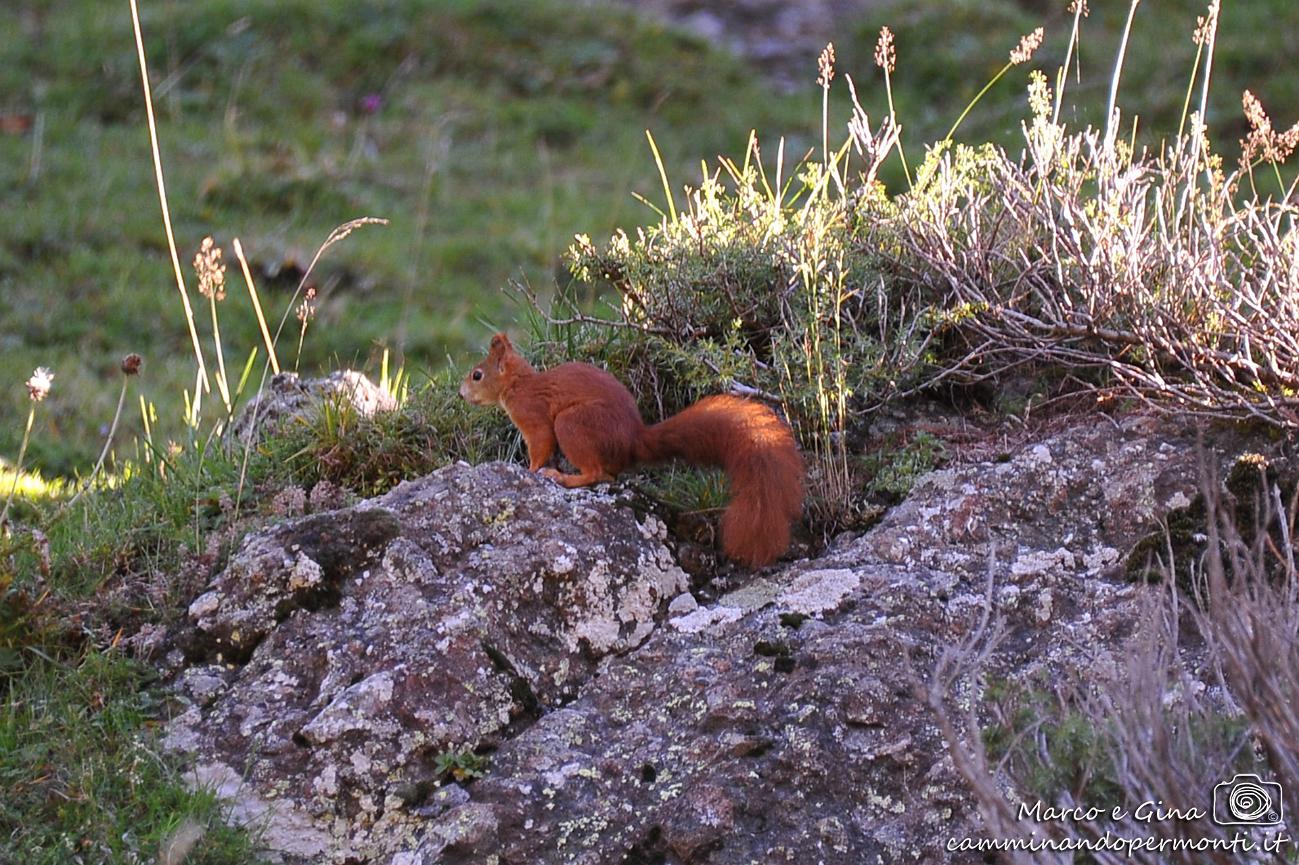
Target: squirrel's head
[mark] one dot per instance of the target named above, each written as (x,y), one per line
(485,382)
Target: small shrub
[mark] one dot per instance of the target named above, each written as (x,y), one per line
(1050,746)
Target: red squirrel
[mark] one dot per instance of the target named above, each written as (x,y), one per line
(594,420)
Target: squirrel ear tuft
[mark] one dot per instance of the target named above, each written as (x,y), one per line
(501,341)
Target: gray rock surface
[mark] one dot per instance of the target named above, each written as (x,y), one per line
(482,608)
(781,38)
(342,653)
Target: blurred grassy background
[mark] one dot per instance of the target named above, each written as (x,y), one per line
(488,131)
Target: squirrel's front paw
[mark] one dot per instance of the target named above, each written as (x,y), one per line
(554,475)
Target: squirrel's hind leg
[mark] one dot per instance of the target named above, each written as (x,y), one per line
(584,479)
(593,442)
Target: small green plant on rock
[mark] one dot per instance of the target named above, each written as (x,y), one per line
(461,765)
(894,470)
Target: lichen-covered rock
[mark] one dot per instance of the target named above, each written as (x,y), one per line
(288,396)
(345,651)
(779,723)
(782,723)
(753,740)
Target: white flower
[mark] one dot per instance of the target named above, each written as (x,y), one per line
(38,386)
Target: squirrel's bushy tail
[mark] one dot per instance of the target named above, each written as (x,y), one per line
(757,451)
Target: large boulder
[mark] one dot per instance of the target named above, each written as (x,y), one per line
(788,721)
(488,610)
(339,655)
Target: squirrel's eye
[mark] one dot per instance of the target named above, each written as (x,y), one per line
(478,375)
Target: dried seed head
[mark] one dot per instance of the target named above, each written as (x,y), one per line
(131,364)
(1217,177)
(825,66)
(38,386)
(1287,142)
(1259,144)
(886,56)
(1254,112)
(1027,45)
(1039,94)
(1079,7)
(1206,24)
(1263,141)
(307,309)
(211,271)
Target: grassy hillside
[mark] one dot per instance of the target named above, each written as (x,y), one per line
(487,131)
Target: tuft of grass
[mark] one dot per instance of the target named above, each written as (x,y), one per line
(894,469)
(370,454)
(30,627)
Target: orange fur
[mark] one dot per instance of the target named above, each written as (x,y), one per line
(593,419)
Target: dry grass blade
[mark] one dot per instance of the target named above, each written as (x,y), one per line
(257,306)
(339,233)
(162,199)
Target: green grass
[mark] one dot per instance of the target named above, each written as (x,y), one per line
(896,467)
(502,127)
(80,782)
(370,455)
